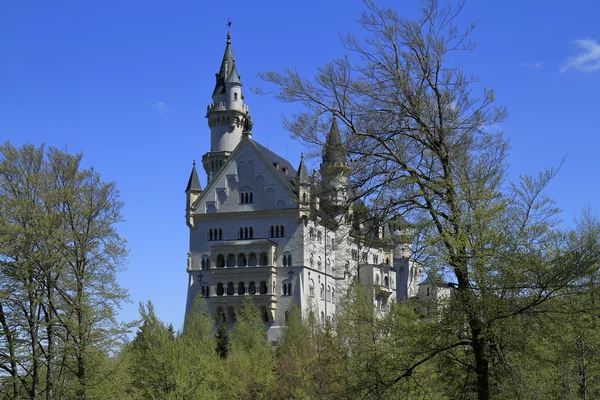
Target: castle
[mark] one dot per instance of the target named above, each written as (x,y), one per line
(261,227)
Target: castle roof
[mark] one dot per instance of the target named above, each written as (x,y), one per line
(333,149)
(193,183)
(226,67)
(302,176)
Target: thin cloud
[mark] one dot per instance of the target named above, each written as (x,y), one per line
(588,59)
(160,107)
(536,64)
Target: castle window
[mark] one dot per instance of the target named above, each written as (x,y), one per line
(364,257)
(235,96)
(230,289)
(386,281)
(230,261)
(375,259)
(319,264)
(276,231)
(210,234)
(252,260)
(242,261)
(220,234)
(264,313)
(245,233)
(263,287)
(328,293)
(252,288)
(312,261)
(220,261)
(263,259)
(319,236)
(332,243)
(322,295)
(312,233)
(220,289)
(287,260)
(311,288)
(287,288)
(333,296)
(215,234)
(205,291)
(205,262)
(322,318)
(246,198)
(241,288)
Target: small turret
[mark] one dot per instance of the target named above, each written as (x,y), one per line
(192,192)
(303,183)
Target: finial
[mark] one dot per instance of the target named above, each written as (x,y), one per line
(194,162)
(228,33)
(302,156)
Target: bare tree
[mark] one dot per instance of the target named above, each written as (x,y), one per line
(423,145)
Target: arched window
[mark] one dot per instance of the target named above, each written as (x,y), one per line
(230,289)
(272,231)
(263,287)
(312,261)
(210,234)
(246,236)
(252,260)
(322,296)
(220,261)
(251,233)
(277,231)
(377,279)
(235,96)
(312,233)
(322,318)
(242,262)
(328,293)
(241,233)
(311,288)
(281,231)
(319,236)
(205,262)
(333,296)
(287,260)
(287,288)
(252,288)
(205,290)
(386,281)
(220,234)
(263,259)
(230,261)
(319,263)
(387,260)
(220,289)
(241,288)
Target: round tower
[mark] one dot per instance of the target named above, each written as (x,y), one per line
(227,114)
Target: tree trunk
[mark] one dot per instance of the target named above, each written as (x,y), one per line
(481,365)
(11,353)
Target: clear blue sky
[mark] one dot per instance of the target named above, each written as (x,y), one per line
(127,84)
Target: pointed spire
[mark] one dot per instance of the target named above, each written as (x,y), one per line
(193,183)
(302,176)
(226,67)
(333,150)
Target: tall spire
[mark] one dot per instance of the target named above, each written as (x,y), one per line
(333,149)
(226,67)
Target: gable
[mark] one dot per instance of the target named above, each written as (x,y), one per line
(247,182)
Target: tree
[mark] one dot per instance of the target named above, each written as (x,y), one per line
(422,145)
(59,255)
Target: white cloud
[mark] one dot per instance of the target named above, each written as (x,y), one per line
(588,59)
(160,107)
(536,64)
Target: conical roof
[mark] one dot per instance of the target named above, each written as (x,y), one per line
(226,67)
(333,150)
(193,183)
(233,76)
(302,176)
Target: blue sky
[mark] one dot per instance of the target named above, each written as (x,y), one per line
(127,84)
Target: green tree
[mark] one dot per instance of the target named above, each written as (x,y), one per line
(422,145)
(59,256)
(251,359)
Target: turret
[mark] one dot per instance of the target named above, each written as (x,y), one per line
(334,168)
(408,272)
(228,116)
(303,184)
(193,190)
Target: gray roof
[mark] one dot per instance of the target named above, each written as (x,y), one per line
(302,176)
(274,157)
(233,76)
(244,242)
(226,67)
(333,149)
(193,183)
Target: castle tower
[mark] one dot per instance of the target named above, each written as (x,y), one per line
(303,183)
(408,273)
(334,168)
(192,192)
(228,116)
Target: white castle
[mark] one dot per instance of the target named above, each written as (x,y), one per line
(262,228)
